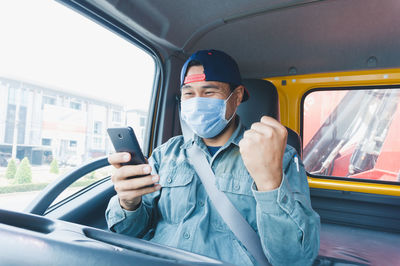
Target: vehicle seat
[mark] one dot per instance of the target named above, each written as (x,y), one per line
(264,101)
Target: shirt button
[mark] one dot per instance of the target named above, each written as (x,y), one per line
(284,199)
(201,203)
(236,187)
(186,235)
(169,180)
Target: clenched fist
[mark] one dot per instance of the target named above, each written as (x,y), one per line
(262,149)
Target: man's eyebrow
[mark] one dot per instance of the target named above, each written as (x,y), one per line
(210,87)
(186,86)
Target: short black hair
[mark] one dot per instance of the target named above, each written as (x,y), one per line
(197,63)
(194,63)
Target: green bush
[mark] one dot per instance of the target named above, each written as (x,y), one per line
(24,172)
(22,188)
(54,167)
(39,186)
(91,175)
(11,169)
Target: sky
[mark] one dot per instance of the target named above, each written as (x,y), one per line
(45,42)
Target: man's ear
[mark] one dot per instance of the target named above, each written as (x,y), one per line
(239,92)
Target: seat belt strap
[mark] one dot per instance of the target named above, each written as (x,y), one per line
(231,216)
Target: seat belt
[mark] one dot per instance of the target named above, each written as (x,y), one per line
(231,216)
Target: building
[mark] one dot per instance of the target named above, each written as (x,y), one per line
(55,123)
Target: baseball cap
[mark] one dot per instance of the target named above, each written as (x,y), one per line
(218,66)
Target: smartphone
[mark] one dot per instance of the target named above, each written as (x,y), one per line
(124,140)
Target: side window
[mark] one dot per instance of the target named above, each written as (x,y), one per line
(64,80)
(353,134)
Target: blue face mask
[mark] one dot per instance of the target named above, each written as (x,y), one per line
(205,116)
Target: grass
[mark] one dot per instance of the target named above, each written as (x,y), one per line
(42,177)
(40,186)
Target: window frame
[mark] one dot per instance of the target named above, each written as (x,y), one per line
(116,116)
(49,143)
(97,130)
(75,105)
(153,125)
(343,88)
(49,100)
(153,113)
(124,32)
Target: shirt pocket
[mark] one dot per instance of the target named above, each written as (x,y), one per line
(240,254)
(176,185)
(237,187)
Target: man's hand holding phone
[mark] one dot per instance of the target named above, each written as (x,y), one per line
(130,190)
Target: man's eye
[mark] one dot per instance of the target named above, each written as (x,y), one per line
(187,93)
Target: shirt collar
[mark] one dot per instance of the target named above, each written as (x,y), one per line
(234,139)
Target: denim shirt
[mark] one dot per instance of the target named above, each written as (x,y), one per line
(181,214)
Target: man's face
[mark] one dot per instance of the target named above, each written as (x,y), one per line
(212,89)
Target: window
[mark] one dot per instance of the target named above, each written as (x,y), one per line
(49,100)
(23,97)
(75,105)
(97,128)
(72,143)
(353,134)
(116,117)
(46,142)
(17,95)
(12,95)
(11,120)
(55,109)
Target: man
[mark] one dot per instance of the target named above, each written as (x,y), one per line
(256,170)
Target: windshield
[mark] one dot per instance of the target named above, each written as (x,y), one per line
(64,80)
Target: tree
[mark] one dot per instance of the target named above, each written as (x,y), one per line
(11,169)
(24,172)
(54,166)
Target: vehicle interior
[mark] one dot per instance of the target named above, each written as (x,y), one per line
(286,51)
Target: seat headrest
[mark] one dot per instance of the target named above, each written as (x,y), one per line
(263,101)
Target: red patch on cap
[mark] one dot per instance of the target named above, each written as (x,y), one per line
(194,78)
(210,53)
